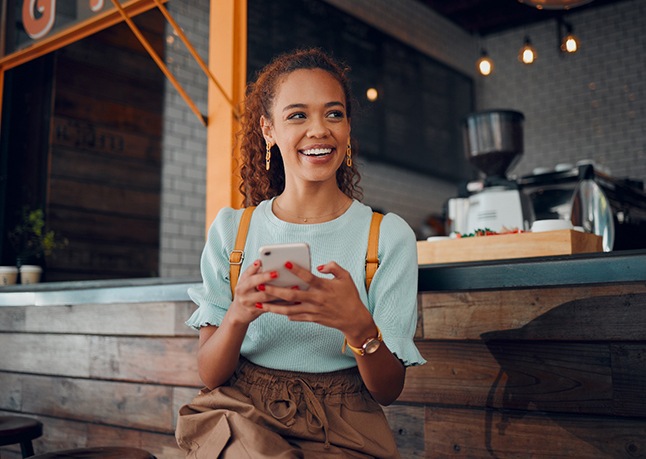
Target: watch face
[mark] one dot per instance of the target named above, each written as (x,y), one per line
(371,346)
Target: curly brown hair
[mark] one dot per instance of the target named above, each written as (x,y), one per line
(259,184)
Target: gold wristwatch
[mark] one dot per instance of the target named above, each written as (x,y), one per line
(369,346)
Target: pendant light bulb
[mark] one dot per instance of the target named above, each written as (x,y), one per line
(484,64)
(570,44)
(527,54)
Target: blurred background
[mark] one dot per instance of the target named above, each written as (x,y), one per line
(95,135)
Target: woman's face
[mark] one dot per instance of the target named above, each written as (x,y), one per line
(310,126)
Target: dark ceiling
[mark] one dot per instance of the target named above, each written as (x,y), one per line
(483,17)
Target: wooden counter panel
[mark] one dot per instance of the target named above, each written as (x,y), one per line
(160,360)
(66,355)
(407,422)
(615,312)
(540,372)
(533,376)
(139,406)
(567,350)
(629,377)
(463,433)
(140,319)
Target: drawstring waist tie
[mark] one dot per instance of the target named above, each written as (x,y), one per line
(289,393)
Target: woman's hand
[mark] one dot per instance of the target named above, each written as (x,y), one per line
(332,302)
(249,294)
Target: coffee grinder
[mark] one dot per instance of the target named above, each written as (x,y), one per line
(493,142)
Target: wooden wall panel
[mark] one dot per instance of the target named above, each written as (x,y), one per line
(104,179)
(110,171)
(109,113)
(102,197)
(91,79)
(92,260)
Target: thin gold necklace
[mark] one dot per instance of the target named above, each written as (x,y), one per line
(319,217)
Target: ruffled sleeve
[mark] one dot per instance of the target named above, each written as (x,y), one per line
(393,292)
(213,296)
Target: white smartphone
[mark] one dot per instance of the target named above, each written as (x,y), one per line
(274,257)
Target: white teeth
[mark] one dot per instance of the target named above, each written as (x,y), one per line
(317,151)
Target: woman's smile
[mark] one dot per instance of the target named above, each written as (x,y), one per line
(316,152)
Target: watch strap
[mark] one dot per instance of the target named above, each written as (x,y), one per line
(360,350)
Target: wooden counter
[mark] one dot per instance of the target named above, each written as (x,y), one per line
(538,358)
(534,358)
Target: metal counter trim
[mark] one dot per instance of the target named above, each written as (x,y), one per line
(96,292)
(554,271)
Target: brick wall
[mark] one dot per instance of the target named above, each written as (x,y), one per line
(184,145)
(586,105)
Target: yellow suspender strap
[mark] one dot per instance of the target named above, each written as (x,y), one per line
(236,256)
(372,258)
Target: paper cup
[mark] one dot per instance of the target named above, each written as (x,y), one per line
(8,275)
(30,274)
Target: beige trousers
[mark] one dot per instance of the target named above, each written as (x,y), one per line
(263,413)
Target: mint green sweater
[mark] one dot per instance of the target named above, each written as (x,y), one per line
(272,341)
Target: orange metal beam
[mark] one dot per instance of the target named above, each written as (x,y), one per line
(180,33)
(160,63)
(228,64)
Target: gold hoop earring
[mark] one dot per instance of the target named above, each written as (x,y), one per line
(268,156)
(348,154)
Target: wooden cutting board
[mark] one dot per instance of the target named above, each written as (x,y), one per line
(505,246)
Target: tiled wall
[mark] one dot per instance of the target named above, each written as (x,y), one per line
(587,105)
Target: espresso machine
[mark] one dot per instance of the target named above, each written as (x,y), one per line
(611,207)
(493,143)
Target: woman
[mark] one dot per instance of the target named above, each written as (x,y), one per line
(277,381)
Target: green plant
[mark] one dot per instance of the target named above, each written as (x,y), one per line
(31,239)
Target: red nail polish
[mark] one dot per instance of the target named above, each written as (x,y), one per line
(289,265)
(296,287)
(256,263)
(320,268)
(273,274)
(259,305)
(261,287)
